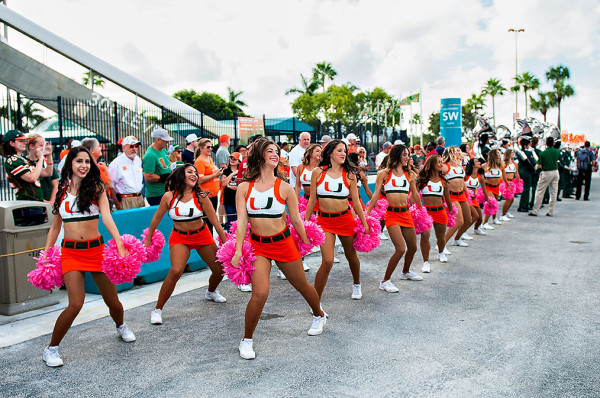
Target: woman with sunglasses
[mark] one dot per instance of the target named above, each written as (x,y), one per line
(186,204)
(208,173)
(262,199)
(175,157)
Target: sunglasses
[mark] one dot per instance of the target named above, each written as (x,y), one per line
(179,151)
(208,147)
(134,146)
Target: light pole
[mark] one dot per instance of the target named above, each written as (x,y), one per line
(516,31)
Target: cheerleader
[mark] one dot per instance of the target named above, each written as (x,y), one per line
(512,173)
(455,175)
(398,184)
(434,189)
(262,198)
(361,180)
(475,179)
(333,182)
(83,199)
(186,204)
(494,172)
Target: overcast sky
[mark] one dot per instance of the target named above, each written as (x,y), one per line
(444,48)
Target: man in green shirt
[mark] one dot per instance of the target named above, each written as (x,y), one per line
(548,163)
(157,166)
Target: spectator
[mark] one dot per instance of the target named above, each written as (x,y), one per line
(74,144)
(68,145)
(385,150)
(431,149)
(242,150)
(284,147)
(363,162)
(49,183)
(296,155)
(352,143)
(208,174)
(418,157)
(548,162)
(188,154)
(93,146)
(229,183)
(175,156)
(484,145)
(157,166)
(440,141)
(324,140)
(24,173)
(222,153)
(585,160)
(127,175)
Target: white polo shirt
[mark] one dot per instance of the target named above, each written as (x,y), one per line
(379,158)
(126,174)
(295,158)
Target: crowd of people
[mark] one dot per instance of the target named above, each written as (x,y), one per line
(260,186)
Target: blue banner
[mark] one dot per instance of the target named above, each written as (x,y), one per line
(451,121)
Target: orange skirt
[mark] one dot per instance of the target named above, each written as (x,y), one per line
(495,190)
(438,216)
(283,249)
(401,218)
(192,239)
(74,257)
(461,197)
(342,225)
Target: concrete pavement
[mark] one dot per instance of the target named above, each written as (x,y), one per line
(514,314)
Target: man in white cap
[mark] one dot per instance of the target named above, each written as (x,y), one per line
(157,166)
(324,140)
(296,155)
(352,144)
(127,176)
(385,150)
(188,153)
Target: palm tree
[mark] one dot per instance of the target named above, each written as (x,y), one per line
(322,71)
(308,87)
(543,103)
(31,114)
(234,98)
(527,81)
(475,103)
(97,80)
(559,74)
(493,87)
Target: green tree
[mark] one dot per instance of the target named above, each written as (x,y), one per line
(235,103)
(434,123)
(308,87)
(493,87)
(559,74)
(527,81)
(472,107)
(97,80)
(210,103)
(323,71)
(543,103)
(32,115)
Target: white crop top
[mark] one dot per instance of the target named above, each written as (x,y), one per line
(268,204)
(185,211)
(493,173)
(395,184)
(433,189)
(69,212)
(333,188)
(305,176)
(510,168)
(472,183)
(455,172)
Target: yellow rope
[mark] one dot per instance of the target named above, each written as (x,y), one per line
(23,252)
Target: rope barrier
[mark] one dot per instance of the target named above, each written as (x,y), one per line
(23,252)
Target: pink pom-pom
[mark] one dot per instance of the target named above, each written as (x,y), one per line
(365,243)
(241,275)
(154,250)
(48,273)
(490,207)
(506,191)
(233,229)
(313,217)
(302,203)
(480,195)
(123,269)
(451,215)
(518,186)
(379,209)
(470,194)
(315,234)
(421,219)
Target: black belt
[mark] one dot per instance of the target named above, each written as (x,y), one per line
(400,209)
(491,185)
(86,244)
(271,239)
(437,208)
(457,193)
(196,231)
(332,215)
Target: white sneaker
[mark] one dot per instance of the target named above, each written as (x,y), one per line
(442,257)
(496,222)
(52,357)
(341,249)
(459,243)
(466,236)
(214,296)
(410,276)
(326,315)
(446,251)
(478,231)
(509,215)
(504,218)
(317,325)
(356,292)
(306,267)
(426,268)
(487,226)
(281,275)
(246,350)
(388,286)
(245,288)
(125,334)
(156,317)
(336,260)
(383,237)
(315,249)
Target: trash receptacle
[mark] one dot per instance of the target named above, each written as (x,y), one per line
(24,226)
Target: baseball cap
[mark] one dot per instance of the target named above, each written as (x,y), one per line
(224,138)
(387,144)
(191,138)
(398,142)
(417,146)
(162,134)
(12,135)
(325,138)
(75,143)
(351,136)
(130,140)
(236,155)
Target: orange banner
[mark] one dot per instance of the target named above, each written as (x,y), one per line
(250,126)
(573,139)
